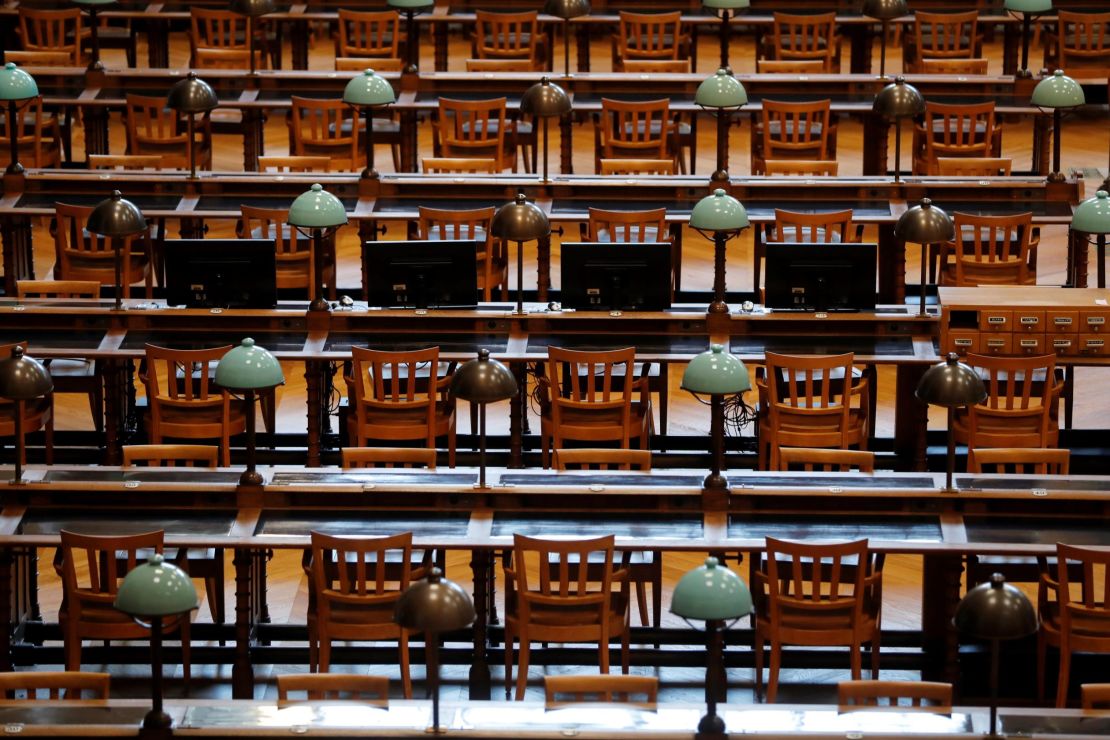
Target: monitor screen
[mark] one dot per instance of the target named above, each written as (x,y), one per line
(221,273)
(422,274)
(616,276)
(820,277)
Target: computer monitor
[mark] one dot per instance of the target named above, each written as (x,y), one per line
(820,277)
(422,274)
(221,273)
(616,276)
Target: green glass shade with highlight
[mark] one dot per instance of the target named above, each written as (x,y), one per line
(711,592)
(718,212)
(410,3)
(721,90)
(369,88)
(15,84)
(726,4)
(316,208)
(156,589)
(1028,6)
(248,367)
(716,372)
(1093,214)
(1058,91)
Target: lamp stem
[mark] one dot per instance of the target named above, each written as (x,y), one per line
(413,47)
(1056,175)
(481,445)
(718,305)
(712,723)
(882,50)
(717,442)
(1100,253)
(250,42)
(724,37)
(431,643)
(1024,45)
(545,179)
(192,147)
(250,477)
(566,47)
(897,149)
(20,445)
(117,250)
(14,167)
(95,62)
(924,261)
(951,466)
(994,687)
(519,278)
(369,173)
(721,175)
(319,303)
(156,718)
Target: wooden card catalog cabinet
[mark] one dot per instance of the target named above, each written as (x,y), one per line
(1019,320)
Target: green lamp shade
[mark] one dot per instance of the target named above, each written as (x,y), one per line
(369,88)
(1093,215)
(726,4)
(410,3)
(248,367)
(718,212)
(716,372)
(156,589)
(317,209)
(711,592)
(15,84)
(1058,91)
(1028,6)
(23,378)
(721,90)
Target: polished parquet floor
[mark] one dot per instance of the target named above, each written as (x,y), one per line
(1086,140)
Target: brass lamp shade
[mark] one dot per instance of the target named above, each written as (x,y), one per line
(520,221)
(434,605)
(995,611)
(567,9)
(116,216)
(483,380)
(899,100)
(545,99)
(192,95)
(884,10)
(252,8)
(925,224)
(23,378)
(951,384)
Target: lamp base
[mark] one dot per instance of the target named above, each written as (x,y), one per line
(711,724)
(369,174)
(157,720)
(1056,177)
(95,66)
(1023,74)
(719,307)
(15,168)
(250,478)
(715,480)
(435,730)
(319,304)
(720,176)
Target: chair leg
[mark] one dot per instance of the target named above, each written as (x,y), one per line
(96,405)
(49,433)
(641,603)
(186,650)
(1062,683)
(508,661)
(323,653)
(758,650)
(856,660)
(406,677)
(313,646)
(73,652)
(875,655)
(522,666)
(773,672)
(1042,655)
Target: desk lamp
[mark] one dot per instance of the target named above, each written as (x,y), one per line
(116,218)
(925,225)
(16,87)
(368,91)
(1092,218)
(252,9)
(720,597)
(433,606)
(719,217)
(483,381)
(1028,9)
(520,221)
(191,96)
(995,611)
(884,11)
(717,374)
(545,100)
(725,7)
(895,102)
(567,10)
(313,213)
(953,385)
(249,368)
(412,45)
(724,95)
(150,592)
(1057,93)
(92,6)
(22,379)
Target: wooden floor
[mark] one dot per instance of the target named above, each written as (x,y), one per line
(1086,144)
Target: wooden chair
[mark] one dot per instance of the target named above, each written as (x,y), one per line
(26,685)
(476,128)
(967,66)
(92,569)
(124,161)
(296,268)
(812,459)
(500,65)
(80,255)
(974,166)
(562,691)
(38,135)
(657,66)
(566,603)
(801,167)
(184,402)
(460,165)
(627,226)
(955,130)
(588,396)
(810,401)
(370,35)
(152,128)
(510,36)
(37,414)
(805,37)
(1095,695)
(354,598)
(293,163)
(1074,612)
(400,396)
(1081,40)
(53,31)
(943,36)
(816,594)
(327,128)
(790,66)
(1021,405)
(224,32)
(626,166)
(476,223)
(388,457)
(635,129)
(989,250)
(792,130)
(649,36)
(602,458)
(829,227)
(378,64)
(1019,460)
(925,696)
(369,690)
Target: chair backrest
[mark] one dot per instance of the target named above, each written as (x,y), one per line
(392,380)
(1019,410)
(958,130)
(23,58)
(295,266)
(628,166)
(657,66)
(992,250)
(214,28)
(955,66)
(125,161)
(627,226)
(559,582)
(793,130)
(360,570)
(370,690)
(51,30)
(460,165)
(506,35)
(213,58)
(440,223)
(388,457)
(153,128)
(946,35)
(57,289)
(601,458)
(812,459)
(93,566)
(293,163)
(474,128)
(1095,695)
(810,36)
(974,166)
(26,685)
(368,34)
(819,228)
(1084,606)
(378,64)
(37,136)
(500,65)
(81,255)
(790,66)
(157,456)
(649,35)
(1082,38)
(642,691)
(325,127)
(591,390)
(181,378)
(636,128)
(801,167)
(927,696)
(1019,460)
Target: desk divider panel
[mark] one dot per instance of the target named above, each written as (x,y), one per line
(829,527)
(370,523)
(1035,530)
(601,478)
(633,526)
(182,522)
